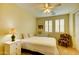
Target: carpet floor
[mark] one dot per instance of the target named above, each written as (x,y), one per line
(62,51)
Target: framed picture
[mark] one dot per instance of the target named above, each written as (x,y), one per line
(40,26)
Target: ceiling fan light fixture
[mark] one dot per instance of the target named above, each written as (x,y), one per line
(47,11)
(48,7)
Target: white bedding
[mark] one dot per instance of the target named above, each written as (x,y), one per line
(43,45)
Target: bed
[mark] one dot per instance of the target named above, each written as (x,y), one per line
(42,45)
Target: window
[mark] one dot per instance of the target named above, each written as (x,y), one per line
(48,26)
(62,25)
(59,25)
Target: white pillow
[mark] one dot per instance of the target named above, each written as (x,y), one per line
(23,36)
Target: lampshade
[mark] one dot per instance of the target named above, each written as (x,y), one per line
(12,30)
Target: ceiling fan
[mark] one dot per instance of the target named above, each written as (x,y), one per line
(48,7)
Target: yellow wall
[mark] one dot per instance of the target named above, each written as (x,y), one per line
(12,15)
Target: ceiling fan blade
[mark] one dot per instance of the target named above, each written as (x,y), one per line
(54,6)
(51,7)
(58,4)
(46,5)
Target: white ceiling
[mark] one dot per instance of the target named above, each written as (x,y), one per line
(36,8)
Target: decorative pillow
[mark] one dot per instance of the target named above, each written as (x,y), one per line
(27,35)
(24,36)
(30,35)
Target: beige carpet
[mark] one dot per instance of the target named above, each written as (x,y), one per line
(62,51)
(67,51)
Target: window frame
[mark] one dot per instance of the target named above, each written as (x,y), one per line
(48,26)
(60,25)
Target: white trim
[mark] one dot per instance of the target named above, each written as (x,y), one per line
(75,11)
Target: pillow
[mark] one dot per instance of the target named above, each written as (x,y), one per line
(30,35)
(27,35)
(24,36)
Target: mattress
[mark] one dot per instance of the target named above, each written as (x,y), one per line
(43,45)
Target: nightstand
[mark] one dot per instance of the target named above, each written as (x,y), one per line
(12,48)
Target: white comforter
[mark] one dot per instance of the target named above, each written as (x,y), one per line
(43,45)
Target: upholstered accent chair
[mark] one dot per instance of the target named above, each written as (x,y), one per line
(65,40)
